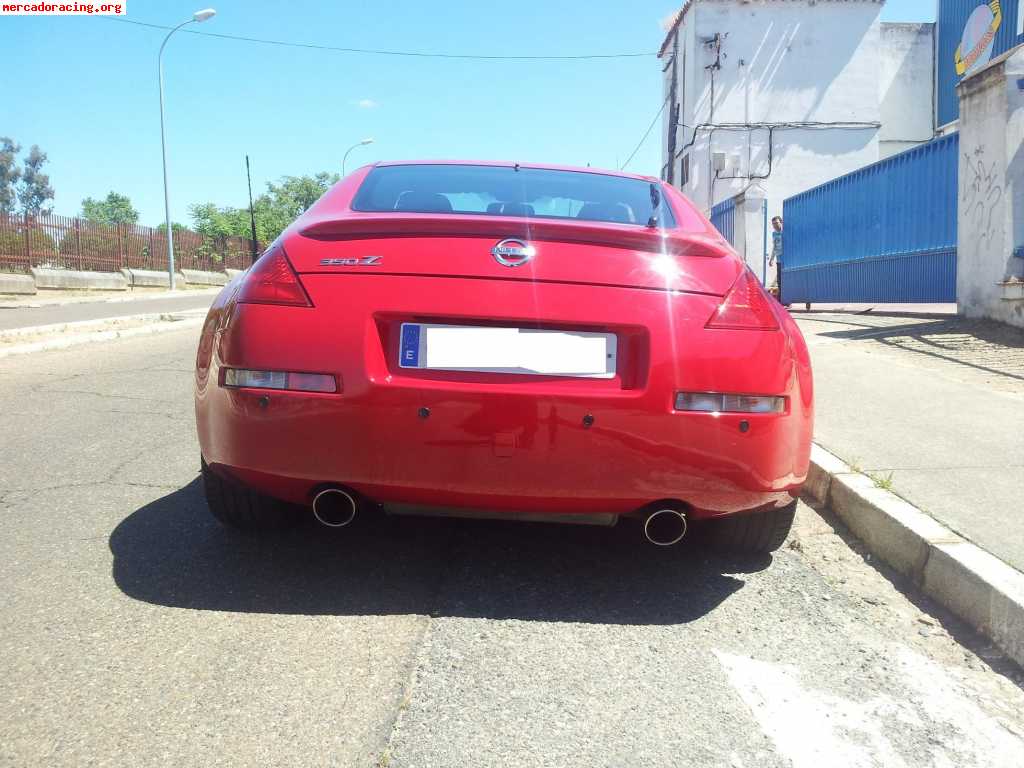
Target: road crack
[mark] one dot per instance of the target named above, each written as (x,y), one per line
(419,657)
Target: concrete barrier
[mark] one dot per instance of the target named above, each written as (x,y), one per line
(978,587)
(150,278)
(199,277)
(68,279)
(20,284)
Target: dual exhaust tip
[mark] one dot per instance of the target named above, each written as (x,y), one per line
(336,508)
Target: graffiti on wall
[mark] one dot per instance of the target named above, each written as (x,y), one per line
(981,193)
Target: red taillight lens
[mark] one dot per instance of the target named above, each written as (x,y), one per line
(745,307)
(271,280)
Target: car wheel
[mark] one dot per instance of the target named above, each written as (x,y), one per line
(240,507)
(755,533)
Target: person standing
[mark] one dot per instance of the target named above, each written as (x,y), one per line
(777,254)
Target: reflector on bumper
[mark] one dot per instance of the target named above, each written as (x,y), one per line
(300,382)
(717,402)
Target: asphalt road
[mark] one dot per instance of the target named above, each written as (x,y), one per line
(136,631)
(26,316)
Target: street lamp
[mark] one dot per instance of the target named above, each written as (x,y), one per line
(202,15)
(362,143)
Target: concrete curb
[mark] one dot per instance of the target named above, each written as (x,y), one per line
(20,285)
(75,280)
(150,278)
(44,301)
(978,587)
(199,277)
(89,331)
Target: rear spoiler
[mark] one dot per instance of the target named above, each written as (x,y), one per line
(356,225)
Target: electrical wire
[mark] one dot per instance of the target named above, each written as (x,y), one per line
(646,134)
(381,52)
(847,125)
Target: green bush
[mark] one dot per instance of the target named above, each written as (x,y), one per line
(94,244)
(12,243)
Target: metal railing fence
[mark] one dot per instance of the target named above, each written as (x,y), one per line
(65,242)
(723,216)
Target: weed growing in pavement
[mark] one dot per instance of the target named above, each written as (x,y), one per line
(885,483)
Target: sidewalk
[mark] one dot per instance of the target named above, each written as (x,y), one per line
(74,310)
(934,405)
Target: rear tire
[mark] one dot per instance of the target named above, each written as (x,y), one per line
(242,508)
(755,533)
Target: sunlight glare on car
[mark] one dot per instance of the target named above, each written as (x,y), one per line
(666,266)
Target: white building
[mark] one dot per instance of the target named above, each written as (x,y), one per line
(772,97)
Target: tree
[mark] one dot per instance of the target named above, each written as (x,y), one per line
(113,210)
(274,210)
(176,227)
(214,222)
(10,174)
(34,190)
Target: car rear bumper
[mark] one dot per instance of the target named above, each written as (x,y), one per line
(513,443)
(550,463)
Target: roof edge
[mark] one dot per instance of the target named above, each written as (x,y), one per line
(681,13)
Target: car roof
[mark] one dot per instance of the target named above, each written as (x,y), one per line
(512,163)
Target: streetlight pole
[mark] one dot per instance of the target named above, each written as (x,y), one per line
(198,16)
(362,143)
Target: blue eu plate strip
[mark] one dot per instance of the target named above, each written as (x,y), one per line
(410,346)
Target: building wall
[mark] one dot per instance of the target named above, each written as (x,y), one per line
(906,85)
(685,63)
(779,64)
(991,180)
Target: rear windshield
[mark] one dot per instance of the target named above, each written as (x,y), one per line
(505,191)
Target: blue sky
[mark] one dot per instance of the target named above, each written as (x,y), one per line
(84,89)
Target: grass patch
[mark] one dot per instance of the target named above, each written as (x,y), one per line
(882,481)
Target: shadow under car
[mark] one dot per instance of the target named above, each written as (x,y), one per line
(171,552)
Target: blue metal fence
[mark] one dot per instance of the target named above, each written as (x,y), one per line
(884,233)
(723,216)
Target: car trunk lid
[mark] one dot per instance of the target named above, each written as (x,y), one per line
(572,252)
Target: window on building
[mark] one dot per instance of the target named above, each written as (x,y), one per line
(684,171)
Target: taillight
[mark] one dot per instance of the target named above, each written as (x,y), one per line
(718,402)
(299,382)
(271,280)
(745,307)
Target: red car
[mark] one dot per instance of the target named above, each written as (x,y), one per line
(498,339)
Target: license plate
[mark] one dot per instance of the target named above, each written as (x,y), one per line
(508,350)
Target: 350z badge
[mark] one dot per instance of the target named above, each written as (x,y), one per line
(365,261)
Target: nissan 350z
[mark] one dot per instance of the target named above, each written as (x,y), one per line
(505,340)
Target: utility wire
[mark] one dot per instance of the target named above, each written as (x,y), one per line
(843,125)
(377,52)
(646,134)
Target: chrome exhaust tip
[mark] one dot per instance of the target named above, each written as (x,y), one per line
(334,507)
(665,527)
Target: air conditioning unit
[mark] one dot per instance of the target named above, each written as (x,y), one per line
(718,161)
